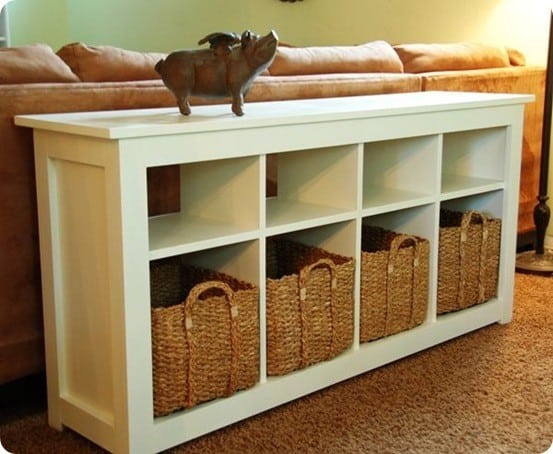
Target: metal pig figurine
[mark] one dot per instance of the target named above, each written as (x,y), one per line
(228,68)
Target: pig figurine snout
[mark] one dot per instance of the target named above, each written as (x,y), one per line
(227,68)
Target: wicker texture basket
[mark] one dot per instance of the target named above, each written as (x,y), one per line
(394,282)
(309,305)
(205,335)
(468,260)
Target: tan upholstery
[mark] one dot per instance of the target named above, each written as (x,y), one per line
(21,343)
(108,63)
(418,58)
(267,88)
(377,56)
(33,64)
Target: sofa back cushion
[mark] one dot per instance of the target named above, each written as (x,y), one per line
(377,56)
(33,64)
(419,58)
(109,64)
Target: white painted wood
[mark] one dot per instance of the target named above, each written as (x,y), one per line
(284,215)
(148,122)
(53,337)
(408,165)
(389,160)
(174,234)
(4,28)
(82,236)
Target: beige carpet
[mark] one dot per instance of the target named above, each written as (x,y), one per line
(490,391)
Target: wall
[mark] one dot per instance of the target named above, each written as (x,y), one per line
(164,25)
(33,21)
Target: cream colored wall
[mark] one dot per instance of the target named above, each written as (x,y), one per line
(34,21)
(165,25)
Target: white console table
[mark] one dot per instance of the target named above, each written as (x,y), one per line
(393,160)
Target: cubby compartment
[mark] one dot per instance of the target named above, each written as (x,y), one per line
(396,271)
(205,326)
(469,251)
(489,202)
(241,260)
(399,173)
(306,182)
(394,282)
(473,161)
(219,202)
(418,220)
(309,296)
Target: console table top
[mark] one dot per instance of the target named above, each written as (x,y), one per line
(121,124)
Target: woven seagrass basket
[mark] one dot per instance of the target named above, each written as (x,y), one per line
(205,335)
(468,260)
(394,282)
(309,305)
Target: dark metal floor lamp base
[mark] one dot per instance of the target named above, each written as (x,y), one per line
(541,260)
(535,263)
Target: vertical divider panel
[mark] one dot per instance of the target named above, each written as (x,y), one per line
(510,209)
(131,305)
(51,286)
(358,230)
(262,269)
(435,234)
(431,315)
(262,309)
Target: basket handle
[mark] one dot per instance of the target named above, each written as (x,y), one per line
(192,298)
(463,238)
(397,242)
(303,277)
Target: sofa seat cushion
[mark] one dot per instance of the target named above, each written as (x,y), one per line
(418,58)
(271,88)
(33,64)
(109,64)
(377,56)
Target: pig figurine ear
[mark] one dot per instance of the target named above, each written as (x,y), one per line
(221,42)
(247,38)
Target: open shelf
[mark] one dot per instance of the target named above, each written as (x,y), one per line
(400,173)
(304,179)
(174,234)
(473,161)
(286,215)
(454,186)
(209,209)
(489,202)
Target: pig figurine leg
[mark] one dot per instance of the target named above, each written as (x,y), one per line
(182,89)
(238,103)
(183,103)
(178,74)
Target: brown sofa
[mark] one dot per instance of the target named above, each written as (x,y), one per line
(34,79)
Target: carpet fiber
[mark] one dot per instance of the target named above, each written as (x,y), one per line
(490,391)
